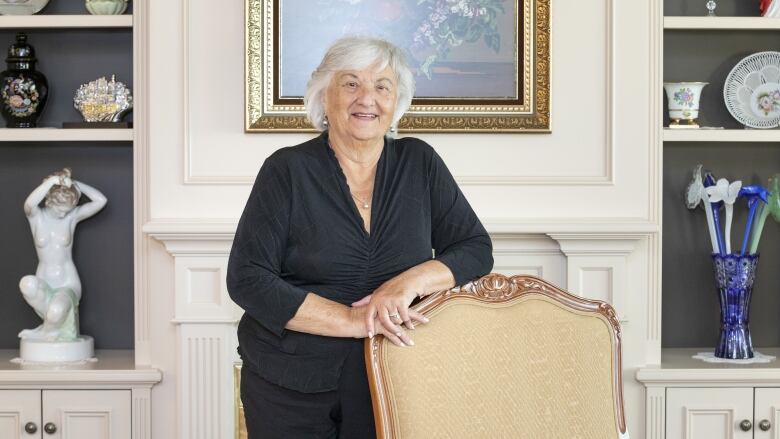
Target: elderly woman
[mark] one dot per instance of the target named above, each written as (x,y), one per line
(339,236)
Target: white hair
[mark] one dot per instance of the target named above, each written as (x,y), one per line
(357,53)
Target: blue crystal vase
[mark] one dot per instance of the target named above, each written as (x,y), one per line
(734,276)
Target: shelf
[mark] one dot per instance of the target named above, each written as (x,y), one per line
(725,23)
(66,135)
(111,367)
(737,135)
(678,368)
(64,21)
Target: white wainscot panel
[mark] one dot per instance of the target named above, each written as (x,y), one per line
(203,291)
(596,266)
(535,255)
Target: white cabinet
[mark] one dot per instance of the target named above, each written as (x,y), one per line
(693,413)
(109,398)
(17,409)
(65,414)
(766,413)
(97,414)
(723,413)
(690,399)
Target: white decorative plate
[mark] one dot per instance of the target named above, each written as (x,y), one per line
(752,90)
(21,7)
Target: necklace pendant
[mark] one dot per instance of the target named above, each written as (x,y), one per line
(365,206)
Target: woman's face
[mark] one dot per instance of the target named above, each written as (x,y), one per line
(360,103)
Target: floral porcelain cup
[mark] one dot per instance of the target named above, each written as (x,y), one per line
(684,103)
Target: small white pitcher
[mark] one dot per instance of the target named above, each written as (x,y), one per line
(684,103)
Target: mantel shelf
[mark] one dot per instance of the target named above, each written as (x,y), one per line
(64,21)
(725,23)
(66,135)
(704,135)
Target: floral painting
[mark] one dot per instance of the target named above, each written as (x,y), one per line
(457,48)
(479,65)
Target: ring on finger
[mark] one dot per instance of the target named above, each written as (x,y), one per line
(393,315)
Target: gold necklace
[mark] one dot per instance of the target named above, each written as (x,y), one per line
(365,204)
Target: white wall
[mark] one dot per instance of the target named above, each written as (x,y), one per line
(580,204)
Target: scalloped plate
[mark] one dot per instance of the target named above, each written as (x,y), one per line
(752,90)
(21,7)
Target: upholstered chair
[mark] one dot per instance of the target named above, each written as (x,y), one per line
(503,357)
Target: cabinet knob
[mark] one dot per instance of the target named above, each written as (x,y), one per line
(50,428)
(745,425)
(764,425)
(30,427)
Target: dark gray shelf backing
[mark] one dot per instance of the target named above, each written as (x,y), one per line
(726,8)
(690,302)
(103,248)
(71,57)
(709,56)
(70,7)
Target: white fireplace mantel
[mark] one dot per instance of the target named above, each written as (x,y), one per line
(587,258)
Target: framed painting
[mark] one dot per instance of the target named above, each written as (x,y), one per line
(479,65)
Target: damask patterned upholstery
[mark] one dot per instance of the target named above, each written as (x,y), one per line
(502,358)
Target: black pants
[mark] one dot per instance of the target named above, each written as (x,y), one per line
(274,412)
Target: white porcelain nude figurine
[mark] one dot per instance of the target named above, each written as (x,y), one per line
(54,291)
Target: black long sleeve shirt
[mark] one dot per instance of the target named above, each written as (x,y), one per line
(301,232)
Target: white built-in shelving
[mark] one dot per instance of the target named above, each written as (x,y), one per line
(725,24)
(710,135)
(64,21)
(722,23)
(66,135)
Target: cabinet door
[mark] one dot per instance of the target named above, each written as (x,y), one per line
(17,408)
(94,414)
(704,413)
(767,414)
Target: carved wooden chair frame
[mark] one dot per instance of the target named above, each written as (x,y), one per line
(492,288)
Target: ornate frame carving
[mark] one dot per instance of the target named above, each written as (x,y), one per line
(264,112)
(491,288)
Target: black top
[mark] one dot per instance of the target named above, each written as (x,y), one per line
(301,232)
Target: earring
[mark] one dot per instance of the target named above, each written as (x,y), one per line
(325,121)
(392,129)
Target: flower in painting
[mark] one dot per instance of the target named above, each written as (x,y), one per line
(450,23)
(428,29)
(684,97)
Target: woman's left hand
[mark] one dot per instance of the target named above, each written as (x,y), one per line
(390,303)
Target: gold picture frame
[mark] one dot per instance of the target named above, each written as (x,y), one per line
(274,103)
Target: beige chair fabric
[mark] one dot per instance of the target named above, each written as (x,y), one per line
(504,358)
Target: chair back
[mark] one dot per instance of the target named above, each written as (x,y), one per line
(503,357)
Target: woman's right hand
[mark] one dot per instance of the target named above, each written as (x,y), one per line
(398,336)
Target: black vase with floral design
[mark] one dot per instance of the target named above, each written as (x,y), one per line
(23,90)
